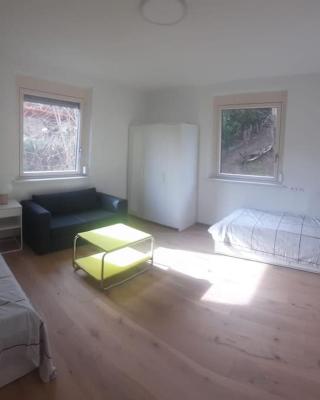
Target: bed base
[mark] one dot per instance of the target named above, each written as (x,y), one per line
(224,249)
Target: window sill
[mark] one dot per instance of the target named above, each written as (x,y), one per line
(28,179)
(247,182)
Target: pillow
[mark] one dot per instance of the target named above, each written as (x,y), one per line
(68,202)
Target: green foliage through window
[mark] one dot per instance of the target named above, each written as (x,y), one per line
(248,138)
(50,135)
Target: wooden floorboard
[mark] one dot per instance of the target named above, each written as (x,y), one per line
(198,326)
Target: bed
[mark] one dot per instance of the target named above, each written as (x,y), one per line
(278,238)
(23,336)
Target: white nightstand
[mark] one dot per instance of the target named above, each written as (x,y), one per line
(10,227)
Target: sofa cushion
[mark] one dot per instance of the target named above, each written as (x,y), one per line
(94,215)
(68,202)
(63,221)
(65,225)
(71,224)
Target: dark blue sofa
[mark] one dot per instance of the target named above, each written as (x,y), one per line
(50,221)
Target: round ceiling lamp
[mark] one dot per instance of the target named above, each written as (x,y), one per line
(163,12)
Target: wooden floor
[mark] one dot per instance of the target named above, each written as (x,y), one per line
(209,327)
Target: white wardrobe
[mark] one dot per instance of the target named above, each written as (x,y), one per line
(162,173)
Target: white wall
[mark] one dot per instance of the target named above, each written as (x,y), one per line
(301,163)
(114,107)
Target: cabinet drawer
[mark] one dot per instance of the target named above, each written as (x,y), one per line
(10,212)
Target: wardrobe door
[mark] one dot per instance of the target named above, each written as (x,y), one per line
(181,176)
(155,174)
(174,200)
(188,175)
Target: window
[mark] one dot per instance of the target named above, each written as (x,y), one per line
(249,132)
(51,134)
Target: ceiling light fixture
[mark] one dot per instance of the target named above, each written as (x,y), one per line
(163,12)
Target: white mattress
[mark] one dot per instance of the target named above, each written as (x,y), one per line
(23,337)
(292,240)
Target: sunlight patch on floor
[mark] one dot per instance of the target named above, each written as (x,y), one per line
(233,280)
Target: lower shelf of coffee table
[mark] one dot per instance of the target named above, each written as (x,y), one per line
(115,262)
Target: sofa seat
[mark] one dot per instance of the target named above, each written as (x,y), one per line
(72,224)
(94,215)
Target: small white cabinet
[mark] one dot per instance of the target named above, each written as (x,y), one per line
(162,173)
(10,227)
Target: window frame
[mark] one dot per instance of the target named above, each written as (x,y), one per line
(50,174)
(241,102)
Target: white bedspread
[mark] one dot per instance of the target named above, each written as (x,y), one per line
(295,238)
(23,337)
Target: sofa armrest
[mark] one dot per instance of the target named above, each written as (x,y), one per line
(36,226)
(113,203)
(34,209)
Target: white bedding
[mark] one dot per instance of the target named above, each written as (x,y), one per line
(23,337)
(292,239)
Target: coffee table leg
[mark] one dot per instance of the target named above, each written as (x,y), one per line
(74,253)
(152,249)
(102,271)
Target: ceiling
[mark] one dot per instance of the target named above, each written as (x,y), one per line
(218,41)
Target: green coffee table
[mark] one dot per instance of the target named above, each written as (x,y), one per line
(118,253)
